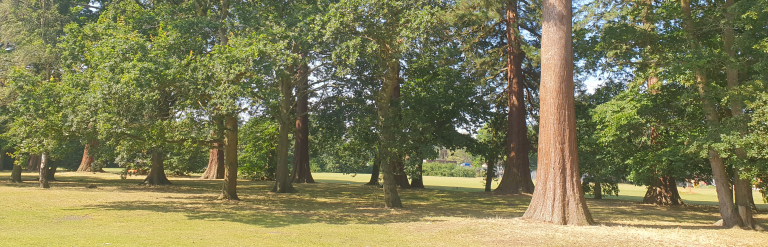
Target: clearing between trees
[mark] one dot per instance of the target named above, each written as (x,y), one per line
(336,211)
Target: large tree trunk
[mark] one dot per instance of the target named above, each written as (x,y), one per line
(517,174)
(34,163)
(301,171)
(157,171)
(725,200)
(490,173)
(387,138)
(417,180)
(663,191)
(44,170)
(375,171)
(282,176)
(742,187)
(216,166)
(16,174)
(86,164)
(558,198)
(229,189)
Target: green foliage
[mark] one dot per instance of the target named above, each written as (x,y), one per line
(258,149)
(447,170)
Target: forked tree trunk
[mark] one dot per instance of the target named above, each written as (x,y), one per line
(229,189)
(86,164)
(489,174)
(742,187)
(385,121)
(34,163)
(301,171)
(16,174)
(375,171)
(730,216)
(43,172)
(282,175)
(216,166)
(157,171)
(558,198)
(663,191)
(417,180)
(517,174)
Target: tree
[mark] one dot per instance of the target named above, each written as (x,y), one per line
(559,198)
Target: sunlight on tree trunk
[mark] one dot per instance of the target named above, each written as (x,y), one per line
(229,189)
(216,166)
(157,171)
(301,170)
(663,191)
(43,173)
(86,164)
(383,105)
(558,198)
(282,174)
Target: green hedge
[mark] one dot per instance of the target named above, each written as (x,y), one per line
(447,170)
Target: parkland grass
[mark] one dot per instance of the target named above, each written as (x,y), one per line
(337,211)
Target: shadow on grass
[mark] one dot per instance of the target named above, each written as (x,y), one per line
(325,203)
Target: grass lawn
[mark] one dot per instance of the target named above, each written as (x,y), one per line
(338,211)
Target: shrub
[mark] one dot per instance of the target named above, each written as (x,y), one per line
(447,170)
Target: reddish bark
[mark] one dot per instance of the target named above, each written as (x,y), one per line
(663,191)
(559,197)
(517,174)
(86,164)
(301,170)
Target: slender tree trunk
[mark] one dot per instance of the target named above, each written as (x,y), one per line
(229,189)
(86,164)
(156,174)
(301,170)
(598,190)
(375,171)
(490,173)
(742,187)
(517,174)
(16,174)
(559,197)
(282,176)
(730,216)
(44,170)
(216,166)
(417,181)
(663,191)
(34,163)
(387,138)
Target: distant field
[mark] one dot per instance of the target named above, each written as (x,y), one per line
(337,211)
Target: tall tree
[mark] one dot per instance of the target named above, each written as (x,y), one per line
(559,198)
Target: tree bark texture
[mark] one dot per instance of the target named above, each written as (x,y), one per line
(559,197)
(375,171)
(663,191)
(43,172)
(730,216)
(86,164)
(598,190)
(417,181)
(400,176)
(282,175)
(34,163)
(157,171)
(383,107)
(742,187)
(517,174)
(301,170)
(490,173)
(216,167)
(16,174)
(229,189)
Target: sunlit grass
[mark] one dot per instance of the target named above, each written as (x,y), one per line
(342,213)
